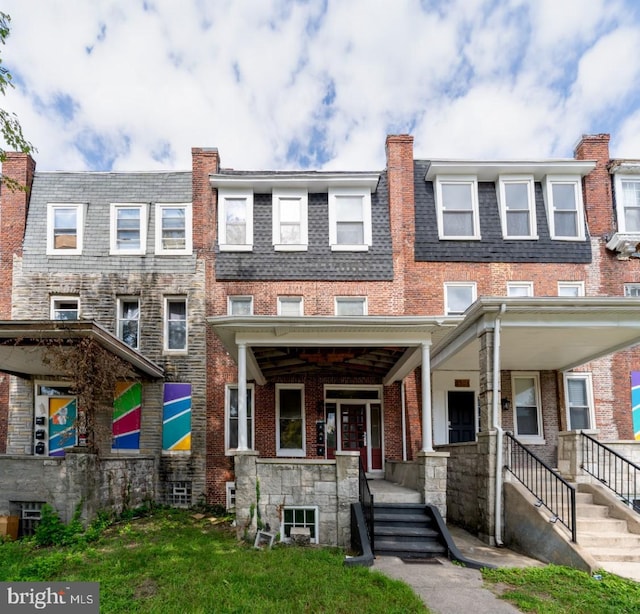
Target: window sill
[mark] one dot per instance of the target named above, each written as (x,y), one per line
(226,247)
(291,453)
(531,440)
(349,248)
(290,248)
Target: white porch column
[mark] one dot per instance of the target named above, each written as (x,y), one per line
(427,426)
(242,397)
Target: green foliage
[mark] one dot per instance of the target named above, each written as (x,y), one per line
(51,531)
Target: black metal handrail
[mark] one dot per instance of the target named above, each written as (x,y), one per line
(366,500)
(613,470)
(549,488)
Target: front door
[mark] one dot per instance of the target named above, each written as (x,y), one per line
(353,422)
(461,407)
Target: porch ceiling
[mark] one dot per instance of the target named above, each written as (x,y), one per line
(542,333)
(23,346)
(387,348)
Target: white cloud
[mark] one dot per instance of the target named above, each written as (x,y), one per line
(280,83)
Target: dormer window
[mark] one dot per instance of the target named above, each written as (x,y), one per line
(128,228)
(350,219)
(628,203)
(457,207)
(517,207)
(65,225)
(290,220)
(235,220)
(565,213)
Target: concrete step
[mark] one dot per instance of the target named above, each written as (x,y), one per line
(614,540)
(625,555)
(600,525)
(405,533)
(583,498)
(387,547)
(592,511)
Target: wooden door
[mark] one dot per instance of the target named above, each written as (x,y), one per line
(353,421)
(461,407)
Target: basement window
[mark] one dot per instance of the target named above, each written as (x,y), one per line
(178,494)
(296,516)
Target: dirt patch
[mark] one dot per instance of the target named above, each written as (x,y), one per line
(147,588)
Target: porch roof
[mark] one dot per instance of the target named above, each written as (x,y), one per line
(388,347)
(23,346)
(537,334)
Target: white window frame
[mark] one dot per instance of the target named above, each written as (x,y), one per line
(167,301)
(55,300)
(114,248)
(297,452)
(251,423)
(632,290)
(120,320)
(342,300)
(505,180)
(224,195)
(621,206)
(514,286)
(188,230)
(578,286)
(302,197)
(230,488)
(458,284)
(576,182)
(334,194)
(537,438)
(299,300)
(586,377)
(80,209)
(239,298)
(472,182)
(316,523)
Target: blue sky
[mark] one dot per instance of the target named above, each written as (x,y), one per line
(278,84)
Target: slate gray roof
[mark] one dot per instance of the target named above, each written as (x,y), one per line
(99,190)
(318,262)
(491,247)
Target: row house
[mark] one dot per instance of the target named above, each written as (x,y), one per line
(288,328)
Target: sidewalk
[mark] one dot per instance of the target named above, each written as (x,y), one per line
(450,589)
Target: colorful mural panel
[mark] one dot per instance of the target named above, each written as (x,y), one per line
(63,412)
(176,417)
(127,414)
(635,403)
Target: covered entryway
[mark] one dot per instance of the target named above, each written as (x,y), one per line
(461,410)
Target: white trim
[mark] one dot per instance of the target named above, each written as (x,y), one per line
(316,511)
(468,180)
(224,195)
(165,318)
(620,204)
(229,451)
(586,377)
(291,299)
(351,299)
(526,285)
(503,181)
(537,438)
(297,452)
(230,489)
(334,194)
(458,284)
(188,229)
(114,249)
(302,198)
(80,209)
(577,285)
(120,319)
(239,298)
(547,187)
(63,299)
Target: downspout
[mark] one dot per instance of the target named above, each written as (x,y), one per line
(404,421)
(496,424)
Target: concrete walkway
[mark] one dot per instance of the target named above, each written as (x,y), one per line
(450,589)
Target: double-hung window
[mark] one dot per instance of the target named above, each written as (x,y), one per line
(231,413)
(175,324)
(235,219)
(290,306)
(458,296)
(128,228)
(628,203)
(173,228)
(290,231)
(565,212)
(350,219)
(526,407)
(632,290)
(64,308)
(570,288)
(520,288)
(517,207)
(351,306)
(579,401)
(457,207)
(65,229)
(290,420)
(240,305)
(129,321)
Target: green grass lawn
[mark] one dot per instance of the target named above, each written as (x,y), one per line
(170,561)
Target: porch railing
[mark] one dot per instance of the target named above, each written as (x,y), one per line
(366,500)
(550,489)
(611,469)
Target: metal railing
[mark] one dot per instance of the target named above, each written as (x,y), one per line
(549,488)
(366,500)
(611,469)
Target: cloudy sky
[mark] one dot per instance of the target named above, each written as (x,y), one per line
(286,84)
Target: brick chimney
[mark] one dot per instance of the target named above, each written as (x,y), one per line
(206,161)
(597,191)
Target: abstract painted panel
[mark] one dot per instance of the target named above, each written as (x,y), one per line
(176,418)
(63,412)
(127,414)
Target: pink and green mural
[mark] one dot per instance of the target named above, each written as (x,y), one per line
(127,411)
(635,403)
(176,418)
(63,412)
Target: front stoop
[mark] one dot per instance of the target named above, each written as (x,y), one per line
(390,492)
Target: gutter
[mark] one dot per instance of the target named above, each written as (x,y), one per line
(496,425)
